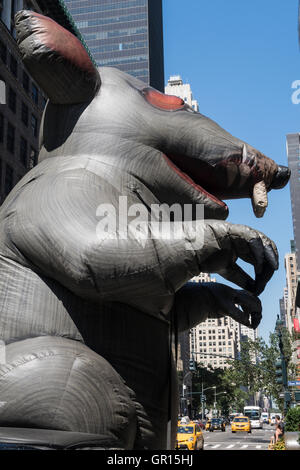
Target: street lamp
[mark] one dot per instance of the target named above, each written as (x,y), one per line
(202,400)
(215,404)
(183,388)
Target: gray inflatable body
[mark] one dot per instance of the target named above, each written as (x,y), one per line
(88,319)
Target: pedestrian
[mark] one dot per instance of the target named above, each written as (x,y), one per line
(279,431)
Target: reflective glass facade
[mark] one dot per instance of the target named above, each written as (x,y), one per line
(127,34)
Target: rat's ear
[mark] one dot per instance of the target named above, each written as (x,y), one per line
(56,59)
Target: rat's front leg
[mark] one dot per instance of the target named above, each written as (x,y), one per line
(195,302)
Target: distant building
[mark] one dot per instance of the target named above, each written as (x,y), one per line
(248,333)
(292,260)
(124,34)
(216,340)
(176,87)
(293,153)
(283,306)
(291,273)
(21,105)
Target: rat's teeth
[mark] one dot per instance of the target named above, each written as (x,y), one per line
(259,199)
(245,153)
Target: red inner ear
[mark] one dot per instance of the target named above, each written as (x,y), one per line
(60,40)
(162,101)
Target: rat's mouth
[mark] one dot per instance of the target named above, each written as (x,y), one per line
(220,209)
(185,174)
(242,175)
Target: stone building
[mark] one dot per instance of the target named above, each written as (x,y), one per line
(21,106)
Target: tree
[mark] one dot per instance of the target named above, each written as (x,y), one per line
(219,378)
(292,419)
(256,368)
(254,371)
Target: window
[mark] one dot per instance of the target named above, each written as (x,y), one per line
(9,176)
(24,114)
(34,94)
(34,125)
(25,81)
(13,65)
(10,141)
(23,151)
(1,127)
(12,100)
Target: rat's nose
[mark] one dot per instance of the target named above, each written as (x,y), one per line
(281,178)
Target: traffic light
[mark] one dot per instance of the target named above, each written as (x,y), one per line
(279,371)
(287,397)
(192,364)
(297,396)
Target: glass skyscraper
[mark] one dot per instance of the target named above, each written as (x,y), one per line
(293,152)
(127,34)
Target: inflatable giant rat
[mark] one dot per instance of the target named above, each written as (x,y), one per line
(87,316)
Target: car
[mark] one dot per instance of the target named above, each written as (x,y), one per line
(13,439)
(217,424)
(241,423)
(207,425)
(232,416)
(189,436)
(183,420)
(256,422)
(265,417)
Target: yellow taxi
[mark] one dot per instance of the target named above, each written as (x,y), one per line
(189,436)
(207,425)
(241,423)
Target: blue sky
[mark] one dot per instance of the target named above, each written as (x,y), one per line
(241,59)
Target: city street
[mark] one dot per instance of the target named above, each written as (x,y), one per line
(258,440)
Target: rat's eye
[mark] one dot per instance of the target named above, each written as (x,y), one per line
(161,101)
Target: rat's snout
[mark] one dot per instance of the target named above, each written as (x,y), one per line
(281,178)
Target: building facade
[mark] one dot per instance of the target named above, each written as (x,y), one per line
(293,153)
(176,87)
(127,34)
(21,105)
(216,340)
(248,333)
(291,273)
(283,306)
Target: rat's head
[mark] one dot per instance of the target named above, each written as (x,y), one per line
(181,155)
